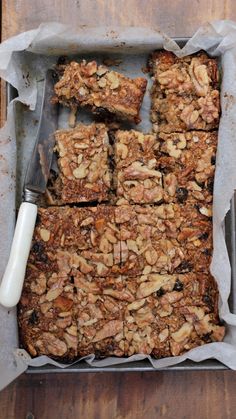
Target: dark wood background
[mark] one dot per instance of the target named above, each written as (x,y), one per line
(179,395)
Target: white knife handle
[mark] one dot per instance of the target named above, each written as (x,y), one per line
(13,278)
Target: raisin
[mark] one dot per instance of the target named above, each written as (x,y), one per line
(213,160)
(182,194)
(178,285)
(204,236)
(33,319)
(207,299)
(207,252)
(38,249)
(210,186)
(185,266)
(160,292)
(99,354)
(206,337)
(72,279)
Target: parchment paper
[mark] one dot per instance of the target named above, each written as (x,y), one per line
(23,61)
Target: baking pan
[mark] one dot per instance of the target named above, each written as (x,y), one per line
(145,365)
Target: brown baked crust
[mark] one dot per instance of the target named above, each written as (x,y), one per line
(185,92)
(164,239)
(90,84)
(170,314)
(136,176)
(83,164)
(194,74)
(187,161)
(74,315)
(86,238)
(175,113)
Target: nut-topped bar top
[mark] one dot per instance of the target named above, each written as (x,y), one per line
(93,85)
(83,162)
(185,92)
(137,177)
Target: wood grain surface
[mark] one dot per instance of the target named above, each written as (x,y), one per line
(153,395)
(179,395)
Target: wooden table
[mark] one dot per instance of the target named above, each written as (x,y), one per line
(150,395)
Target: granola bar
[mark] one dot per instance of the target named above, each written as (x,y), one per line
(195,74)
(170,314)
(83,238)
(83,163)
(137,177)
(185,93)
(187,161)
(145,245)
(93,85)
(67,317)
(175,113)
(164,239)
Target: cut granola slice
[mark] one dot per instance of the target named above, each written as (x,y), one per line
(188,162)
(137,178)
(194,74)
(175,113)
(87,83)
(145,246)
(100,318)
(169,313)
(83,164)
(86,239)
(185,92)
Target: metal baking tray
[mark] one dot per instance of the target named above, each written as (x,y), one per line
(145,365)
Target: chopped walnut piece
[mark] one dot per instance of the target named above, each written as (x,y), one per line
(51,345)
(39,285)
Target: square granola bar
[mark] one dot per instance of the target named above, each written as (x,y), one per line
(145,245)
(100,318)
(185,93)
(67,317)
(86,239)
(195,74)
(175,113)
(170,314)
(93,85)
(83,163)
(164,239)
(187,161)
(136,176)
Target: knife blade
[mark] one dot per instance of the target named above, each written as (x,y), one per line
(36,178)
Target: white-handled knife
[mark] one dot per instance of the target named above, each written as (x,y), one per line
(35,184)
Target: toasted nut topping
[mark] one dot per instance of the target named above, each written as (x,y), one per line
(155,283)
(87,221)
(163,335)
(206,211)
(102,82)
(122,150)
(81,171)
(183,333)
(136,305)
(52,294)
(45,234)
(151,256)
(49,344)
